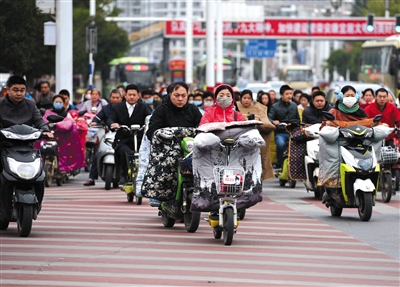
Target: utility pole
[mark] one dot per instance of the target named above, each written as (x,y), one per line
(92,14)
(210,36)
(64,61)
(189,42)
(219,44)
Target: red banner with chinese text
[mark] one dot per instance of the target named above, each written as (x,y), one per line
(292,28)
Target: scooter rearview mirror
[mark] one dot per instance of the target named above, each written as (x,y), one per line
(54,118)
(81,113)
(377,118)
(328,116)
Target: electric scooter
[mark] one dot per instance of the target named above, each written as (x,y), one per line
(22,176)
(106,161)
(311,161)
(179,208)
(359,169)
(229,185)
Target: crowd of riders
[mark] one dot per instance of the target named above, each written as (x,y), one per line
(178,106)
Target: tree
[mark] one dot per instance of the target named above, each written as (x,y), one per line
(21,34)
(112,41)
(378,8)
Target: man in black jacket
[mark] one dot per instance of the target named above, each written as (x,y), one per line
(127,113)
(313,113)
(175,110)
(283,111)
(15,109)
(103,116)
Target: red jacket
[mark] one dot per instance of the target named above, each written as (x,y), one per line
(390,115)
(217,114)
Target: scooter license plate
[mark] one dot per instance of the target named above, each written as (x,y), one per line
(229,179)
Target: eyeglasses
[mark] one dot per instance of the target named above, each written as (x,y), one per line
(22,91)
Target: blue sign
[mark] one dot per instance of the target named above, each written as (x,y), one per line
(260,49)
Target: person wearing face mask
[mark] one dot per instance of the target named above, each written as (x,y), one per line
(198,102)
(208,100)
(147,96)
(71,150)
(346,107)
(223,110)
(58,106)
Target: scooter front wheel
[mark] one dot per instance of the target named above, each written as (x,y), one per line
(228,228)
(24,221)
(108,176)
(282,182)
(292,183)
(365,207)
(192,220)
(386,187)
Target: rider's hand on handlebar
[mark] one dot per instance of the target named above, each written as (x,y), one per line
(276,122)
(93,124)
(49,135)
(115,126)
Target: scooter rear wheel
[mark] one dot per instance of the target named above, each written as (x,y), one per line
(386,187)
(336,211)
(4,224)
(167,221)
(129,197)
(24,221)
(59,181)
(217,233)
(138,200)
(396,175)
(228,226)
(108,176)
(48,179)
(241,213)
(192,220)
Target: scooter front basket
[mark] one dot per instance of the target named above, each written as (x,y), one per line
(389,155)
(229,180)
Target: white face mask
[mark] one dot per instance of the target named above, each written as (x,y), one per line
(224,102)
(349,101)
(208,103)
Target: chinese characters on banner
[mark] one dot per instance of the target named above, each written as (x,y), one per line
(347,28)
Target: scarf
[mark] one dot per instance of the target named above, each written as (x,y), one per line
(344,109)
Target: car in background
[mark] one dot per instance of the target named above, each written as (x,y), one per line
(276,86)
(335,88)
(256,87)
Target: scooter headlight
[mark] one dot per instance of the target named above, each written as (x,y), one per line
(369,133)
(365,164)
(347,134)
(24,170)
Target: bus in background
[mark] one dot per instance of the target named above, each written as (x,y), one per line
(133,70)
(380,63)
(176,68)
(229,73)
(298,77)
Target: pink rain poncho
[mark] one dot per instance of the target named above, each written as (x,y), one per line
(71,152)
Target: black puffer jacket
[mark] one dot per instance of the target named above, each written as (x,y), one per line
(168,115)
(311,115)
(283,112)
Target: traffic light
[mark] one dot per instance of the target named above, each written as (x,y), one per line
(370,23)
(397,24)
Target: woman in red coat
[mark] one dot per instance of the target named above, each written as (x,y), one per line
(224,108)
